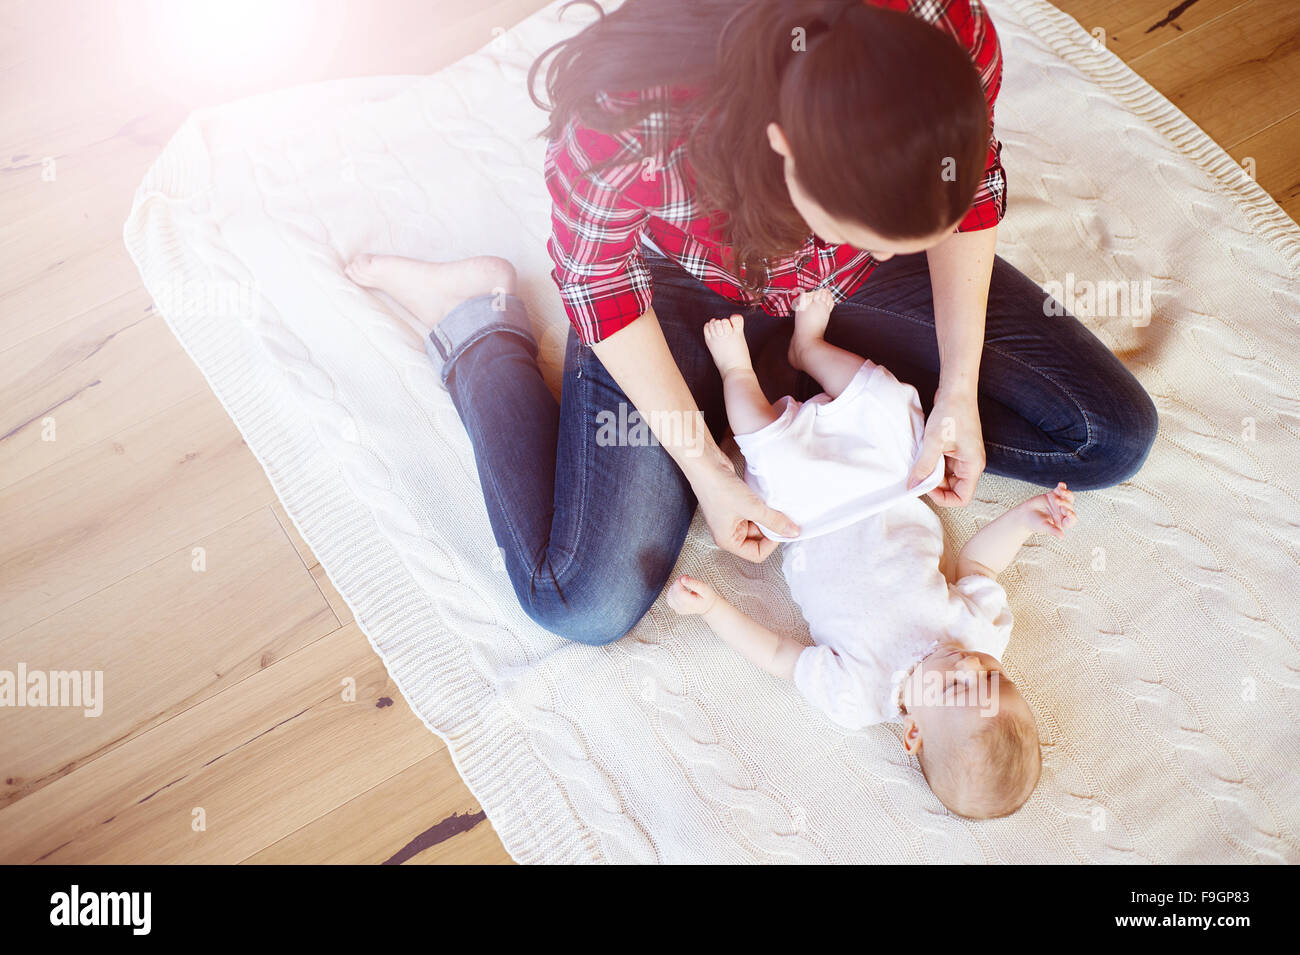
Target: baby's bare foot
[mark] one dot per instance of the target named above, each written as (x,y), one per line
(429,290)
(812,312)
(726,340)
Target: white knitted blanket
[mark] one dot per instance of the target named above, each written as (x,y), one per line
(1158,643)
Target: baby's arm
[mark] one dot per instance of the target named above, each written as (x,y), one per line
(997,543)
(771,651)
(832,366)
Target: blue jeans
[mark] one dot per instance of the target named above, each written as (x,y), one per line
(591,529)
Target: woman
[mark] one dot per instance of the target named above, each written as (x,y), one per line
(709,157)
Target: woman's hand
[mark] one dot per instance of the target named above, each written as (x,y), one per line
(953,431)
(690,596)
(731,509)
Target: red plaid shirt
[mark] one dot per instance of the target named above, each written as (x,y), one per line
(597,221)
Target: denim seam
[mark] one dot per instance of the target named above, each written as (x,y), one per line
(584,470)
(461,347)
(1087,423)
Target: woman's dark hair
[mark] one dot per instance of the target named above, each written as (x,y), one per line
(885,115)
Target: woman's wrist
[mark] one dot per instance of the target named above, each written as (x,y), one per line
(959,389)
(704,464)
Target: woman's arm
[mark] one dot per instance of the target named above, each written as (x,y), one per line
(757,644)
(961,267)
(960,270)
(637,357)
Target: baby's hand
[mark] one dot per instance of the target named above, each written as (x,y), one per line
(1051,513)
(690,596)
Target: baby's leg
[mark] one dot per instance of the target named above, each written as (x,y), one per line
(748,409)
(832,366)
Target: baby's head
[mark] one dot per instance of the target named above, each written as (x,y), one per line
(972,731)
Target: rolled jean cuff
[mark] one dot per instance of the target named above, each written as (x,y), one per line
(473,319)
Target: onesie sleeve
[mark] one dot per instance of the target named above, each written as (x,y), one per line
(984,618)
(841,690)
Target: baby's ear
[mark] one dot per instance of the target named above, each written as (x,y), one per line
(911,736)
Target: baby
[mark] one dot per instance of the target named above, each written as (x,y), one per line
(893,639)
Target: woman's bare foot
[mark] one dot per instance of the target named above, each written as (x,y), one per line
(726,340)
(812,312)
(429,290)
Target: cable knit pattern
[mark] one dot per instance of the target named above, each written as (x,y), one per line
(1158,644)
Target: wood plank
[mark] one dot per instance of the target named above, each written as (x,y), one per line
(100,522)
(54,171)
(341,610)
(290,531)
(81,382)
(1232,76)
(63,54)
(479,846)
(424,814)
(103,513)
(124,55)
(53,287)
(85,263)
(165,639)
(260,761)
(1275,152)
(1135,27)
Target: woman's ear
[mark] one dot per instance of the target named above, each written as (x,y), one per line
(776,139)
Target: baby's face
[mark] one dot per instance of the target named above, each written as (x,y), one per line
(952,697)
(951,693)
(952,689)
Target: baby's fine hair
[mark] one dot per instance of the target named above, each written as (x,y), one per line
(993,773)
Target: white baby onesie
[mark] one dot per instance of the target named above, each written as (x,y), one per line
(828,462)
(876,603)
(865,568)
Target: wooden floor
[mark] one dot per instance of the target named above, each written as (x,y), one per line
(141,537)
